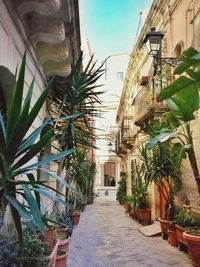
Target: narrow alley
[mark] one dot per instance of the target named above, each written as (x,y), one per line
(107,237)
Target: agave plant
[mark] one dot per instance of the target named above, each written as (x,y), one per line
(17,147)
(76,94)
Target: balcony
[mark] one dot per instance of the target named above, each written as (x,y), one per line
(127,132)
(147,108)
(119,147)
(126,137)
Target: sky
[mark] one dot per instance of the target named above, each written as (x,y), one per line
(110,25)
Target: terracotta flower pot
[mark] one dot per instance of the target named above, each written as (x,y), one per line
(144,216)
(173,240)
(51,260)
(61,260)
(164,224)
(49,237)
(181,240)
(63,238)
(76,217)
(193,242)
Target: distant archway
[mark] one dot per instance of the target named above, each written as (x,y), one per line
(110,174)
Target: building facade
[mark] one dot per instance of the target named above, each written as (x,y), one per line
(179,21)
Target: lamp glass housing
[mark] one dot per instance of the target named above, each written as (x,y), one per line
(153,42)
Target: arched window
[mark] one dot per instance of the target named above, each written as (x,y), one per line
(178,50)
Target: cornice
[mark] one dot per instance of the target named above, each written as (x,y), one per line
(53,29)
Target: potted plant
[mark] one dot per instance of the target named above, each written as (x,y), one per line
(75,217)
(132,202)
(140,193)
(35,253)
(143,212)
(61,258)
(63,237)
(18,147)
(192,237)
(183,219)
(121,191)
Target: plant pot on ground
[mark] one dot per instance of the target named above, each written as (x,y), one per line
(63,237)
(35,253)
(144,216)
(164,225)
(75,217)
(173,239)
(49,238)
(183,219)
(143,212)
(61,258)
(192,238)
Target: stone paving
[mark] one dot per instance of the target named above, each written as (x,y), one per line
(107,237)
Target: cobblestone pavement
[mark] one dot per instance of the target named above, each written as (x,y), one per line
(107,237)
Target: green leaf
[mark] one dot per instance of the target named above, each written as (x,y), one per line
(172,119)
(15,104)
(52,196)
(29,141)
(34,149)
(33,206)
(38,105)
(45,161)
(164,135)
(18,206)
(178,153)
(62,181)
(188,59)
(33,183)
(179,84)
(14,140)
(2,135)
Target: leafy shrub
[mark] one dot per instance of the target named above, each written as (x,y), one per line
(121,191)
(34,251)
(184,218)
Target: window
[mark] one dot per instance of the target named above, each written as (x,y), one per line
(120,75)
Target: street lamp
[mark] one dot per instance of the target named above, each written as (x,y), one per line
(153,41)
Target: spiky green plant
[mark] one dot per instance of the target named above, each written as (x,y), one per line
(17,147)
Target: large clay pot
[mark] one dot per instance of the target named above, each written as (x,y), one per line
(193,242)
(164,225)
(144,216)
(173,240)
(64,239)
(61,260)
(51,260)
(76,217)
(49,237)
(182,244)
